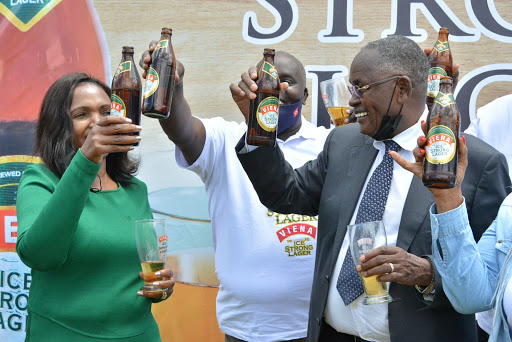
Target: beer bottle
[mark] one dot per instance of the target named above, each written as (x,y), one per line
(441,62)
(126,89)
(264,109)
(441,152)
(160,79)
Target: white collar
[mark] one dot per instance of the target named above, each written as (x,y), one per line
(307,131)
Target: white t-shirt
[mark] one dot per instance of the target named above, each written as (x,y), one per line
(493,125)
(264,261)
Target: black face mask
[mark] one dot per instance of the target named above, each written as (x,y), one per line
(387,128)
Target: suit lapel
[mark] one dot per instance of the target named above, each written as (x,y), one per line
(361,159)
(416,208)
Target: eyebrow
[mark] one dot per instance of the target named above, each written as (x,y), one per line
(87,108)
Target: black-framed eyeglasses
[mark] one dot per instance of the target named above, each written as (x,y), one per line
(358,91)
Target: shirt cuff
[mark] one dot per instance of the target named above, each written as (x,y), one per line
(450,222)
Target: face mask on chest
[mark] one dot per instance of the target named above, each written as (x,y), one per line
(288,116)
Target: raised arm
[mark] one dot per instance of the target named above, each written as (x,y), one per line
(184,130)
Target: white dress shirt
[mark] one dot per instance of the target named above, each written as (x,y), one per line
(370,322)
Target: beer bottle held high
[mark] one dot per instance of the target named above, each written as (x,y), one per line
(441,63)
(441,152)
(264,109)
(160,79)
(126,89)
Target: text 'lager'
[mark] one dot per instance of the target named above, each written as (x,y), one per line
(441,62)
(160,79)
(264,109)
(126,90)
(441,152)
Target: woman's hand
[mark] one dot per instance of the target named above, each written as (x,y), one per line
(167,283)
(105,137)
(446,199)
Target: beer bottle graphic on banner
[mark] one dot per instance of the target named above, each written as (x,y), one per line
(441,62)
(441,152)
(126,89)
(160,79)
(264,109)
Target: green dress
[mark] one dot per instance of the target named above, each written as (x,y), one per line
(81,248)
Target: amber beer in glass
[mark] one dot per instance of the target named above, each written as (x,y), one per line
(441,63)
(264,109)
(160,79)
(363,238)
(441,152)
(151,240)
(336,95)
(126,89)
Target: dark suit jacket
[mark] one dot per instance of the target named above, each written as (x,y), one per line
(330,187)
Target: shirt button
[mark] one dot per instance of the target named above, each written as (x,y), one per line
(318,321)
(327,277)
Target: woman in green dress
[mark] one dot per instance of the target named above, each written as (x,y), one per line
(76,214)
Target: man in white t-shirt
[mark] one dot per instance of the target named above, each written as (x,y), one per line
(493,124)
(264,260)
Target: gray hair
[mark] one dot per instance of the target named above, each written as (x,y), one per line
(399,55)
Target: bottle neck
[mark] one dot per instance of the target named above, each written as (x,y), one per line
(443,37)
(127,56)
(165,36)
(445,88)
(269,59)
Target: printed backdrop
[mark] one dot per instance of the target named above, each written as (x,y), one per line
(216,40)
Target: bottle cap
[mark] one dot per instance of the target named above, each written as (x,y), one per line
(269,52)
(127,49)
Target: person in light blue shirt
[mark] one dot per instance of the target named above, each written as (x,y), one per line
(476,276)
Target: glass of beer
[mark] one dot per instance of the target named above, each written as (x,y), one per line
(363,238)
(151,239)
(336,95)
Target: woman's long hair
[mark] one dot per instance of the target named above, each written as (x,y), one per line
(55,134)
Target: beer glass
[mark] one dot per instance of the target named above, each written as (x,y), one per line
(336,95)
(151,239)
(364,237)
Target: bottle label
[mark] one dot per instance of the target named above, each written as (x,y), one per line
(125,66)
(434,78)
(161,44)
(444,99)
(442,46)
(117,106)
(267,113)
(152,81)
(269,69)
(24,14)
(441,145)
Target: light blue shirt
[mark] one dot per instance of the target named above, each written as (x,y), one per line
(474,275)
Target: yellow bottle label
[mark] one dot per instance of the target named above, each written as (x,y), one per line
(441,145)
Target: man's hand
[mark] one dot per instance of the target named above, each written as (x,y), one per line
(145,62)
(408,269)
(244,91)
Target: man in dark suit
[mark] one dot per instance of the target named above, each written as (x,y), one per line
(389,91)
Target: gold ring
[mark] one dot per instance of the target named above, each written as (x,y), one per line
(164,295)
(392,268)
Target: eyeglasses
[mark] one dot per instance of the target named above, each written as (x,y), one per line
(358,91)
